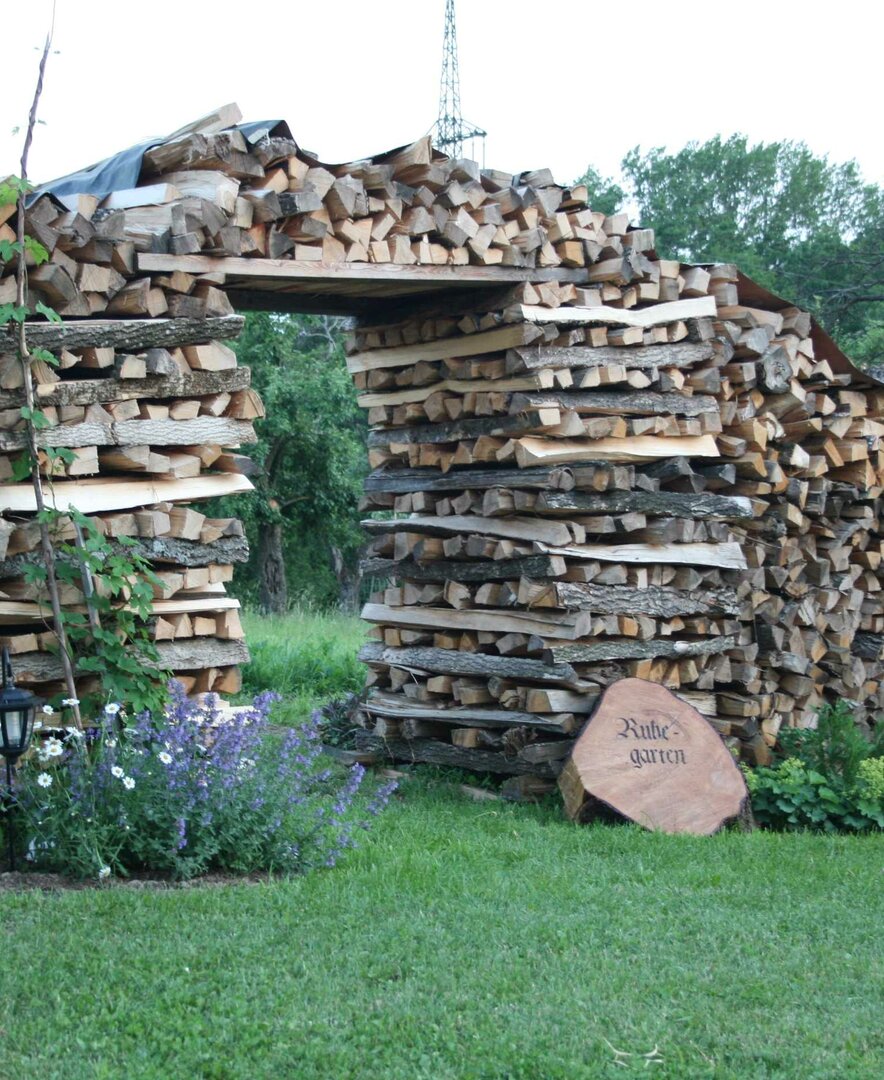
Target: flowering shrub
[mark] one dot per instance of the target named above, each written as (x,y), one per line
(187,793)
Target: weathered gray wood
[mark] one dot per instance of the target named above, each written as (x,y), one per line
(486,341)
(101,391)
(617,403)
(500,426)
(125,334)
(434,752)
(438,570)
(728,556)
(218,430)
(279,270)
(453,662)
(188,654)
(681,355)
(618,649)
(401,481)
(868,646)
(399,706)
(201,652)
(660,602)
(512,528)
(569,625)
(227,550)
(663,503)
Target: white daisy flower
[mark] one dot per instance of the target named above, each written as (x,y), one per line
(70,702)
(112,709)
(110,742)
(74,733)
(128,784)
(53,748)
(116,771)
(104,872)
(44,779)
(165,757)
(48,710)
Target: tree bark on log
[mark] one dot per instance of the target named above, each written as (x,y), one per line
(660,602)
(664,503)
(125,334)
(680,355)
(452,662)
(434,752)
(440,570)
(101,391)
(635,650)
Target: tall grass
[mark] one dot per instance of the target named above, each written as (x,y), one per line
(307,656)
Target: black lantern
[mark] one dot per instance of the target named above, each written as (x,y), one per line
(17,711)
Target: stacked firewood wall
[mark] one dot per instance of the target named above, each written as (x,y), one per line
(638,471)
(152,411)
(684,492)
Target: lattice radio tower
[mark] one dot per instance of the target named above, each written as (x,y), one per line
(451,130)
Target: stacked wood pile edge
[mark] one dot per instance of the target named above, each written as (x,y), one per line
(636,468)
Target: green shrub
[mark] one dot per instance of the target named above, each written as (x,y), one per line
(831,778)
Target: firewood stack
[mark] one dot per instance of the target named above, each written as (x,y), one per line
(153,411)
(685,492)
(627,466)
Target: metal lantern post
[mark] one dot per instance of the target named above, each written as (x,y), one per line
(17,711)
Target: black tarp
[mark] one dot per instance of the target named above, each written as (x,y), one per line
(122,171)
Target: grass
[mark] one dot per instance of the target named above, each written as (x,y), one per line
(470,941)
(466,941)
(306,656)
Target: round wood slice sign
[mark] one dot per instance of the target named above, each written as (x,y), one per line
(655,760)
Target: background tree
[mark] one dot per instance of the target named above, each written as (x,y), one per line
(302,520)
(806,228)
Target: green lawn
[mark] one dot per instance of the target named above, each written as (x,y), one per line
(466,940)
(306,656)
(463,940)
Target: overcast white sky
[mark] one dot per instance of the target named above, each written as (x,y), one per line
(557,85)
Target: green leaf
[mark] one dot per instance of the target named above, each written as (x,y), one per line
(36,250)
(9,249)
(46,356)
(21,467)
(50,313)
(12,313)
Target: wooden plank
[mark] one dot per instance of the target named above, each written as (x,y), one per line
(630,649)
(125,334)
(23,611)
(186,655)
(618,403)
(511,528)
(218,430)
(401,481)
(96,495)
(654,315)
(435,752)
(453,386)
(535,451)
(486,341)
(317,273)
(104,391)
(659,602)
(453,662)
(386,705)
(729,556)
(477,570)
(700,507)
(568,626)
(641,357)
